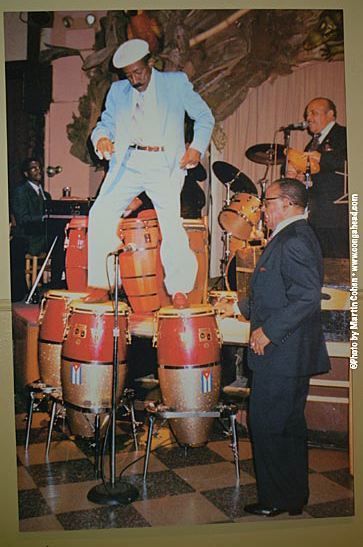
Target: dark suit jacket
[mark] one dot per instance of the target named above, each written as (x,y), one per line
(330,220)
(333,149)
(285,301)
(28,209)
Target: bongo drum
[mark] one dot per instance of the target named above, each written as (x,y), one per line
(188,349)
(54,310)
(76,253)
(87,359)
(241,215)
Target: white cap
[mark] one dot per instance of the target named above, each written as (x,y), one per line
(130,52)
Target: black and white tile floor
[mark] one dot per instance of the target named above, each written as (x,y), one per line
(182,488)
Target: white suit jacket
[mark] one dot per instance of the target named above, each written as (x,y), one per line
(175,96)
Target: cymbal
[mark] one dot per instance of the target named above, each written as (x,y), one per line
(267,154)
(227,173)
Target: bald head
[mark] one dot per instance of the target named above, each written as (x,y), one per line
(318,113)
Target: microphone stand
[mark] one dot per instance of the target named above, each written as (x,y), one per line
(287,134)
(121,493)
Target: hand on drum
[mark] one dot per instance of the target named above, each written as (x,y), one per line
(258,341)
(225,308)
(313,156)
(293,173)
(104,148)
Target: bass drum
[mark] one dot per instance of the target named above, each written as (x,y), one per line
(241,215)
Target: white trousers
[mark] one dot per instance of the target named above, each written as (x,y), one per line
(149,172)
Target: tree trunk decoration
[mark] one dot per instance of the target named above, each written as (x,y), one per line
(223,52)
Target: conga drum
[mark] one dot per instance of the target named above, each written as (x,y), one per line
(197,232)
(189,369)
(141,271)
(76,247)
(54,310)
(241,215)
(87,361)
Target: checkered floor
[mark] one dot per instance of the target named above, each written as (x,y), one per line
(197,486)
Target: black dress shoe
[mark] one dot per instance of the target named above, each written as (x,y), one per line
(266,511)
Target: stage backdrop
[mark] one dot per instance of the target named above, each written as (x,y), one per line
(273,104)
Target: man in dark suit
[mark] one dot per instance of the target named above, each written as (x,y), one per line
(286,348)
(327,150)
(28,207)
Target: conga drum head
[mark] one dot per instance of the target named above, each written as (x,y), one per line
(241,215)
(191,311)
(99,308)
(57,294)
(78,222)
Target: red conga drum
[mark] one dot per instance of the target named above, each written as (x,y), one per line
(141,271)
(189,369)
(76,253)
(52,323)
(87,360)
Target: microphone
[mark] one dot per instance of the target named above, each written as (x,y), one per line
(129,248)
(300,126)
(51,171)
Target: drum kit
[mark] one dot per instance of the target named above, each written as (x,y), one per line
(241,218)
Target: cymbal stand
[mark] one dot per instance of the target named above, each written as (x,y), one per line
(226,238)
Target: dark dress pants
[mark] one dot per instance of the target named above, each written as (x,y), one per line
(279,438)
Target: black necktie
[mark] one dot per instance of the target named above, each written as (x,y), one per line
(314,145)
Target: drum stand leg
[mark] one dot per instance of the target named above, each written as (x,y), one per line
(130,396)
(51,425)
(97,445)
(56,401)
(234,444)
(148,445)
(29,419)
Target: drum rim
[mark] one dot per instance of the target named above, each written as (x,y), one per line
(62,294)
(90,307)
(191,311)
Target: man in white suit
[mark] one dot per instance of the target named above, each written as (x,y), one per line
(141,133)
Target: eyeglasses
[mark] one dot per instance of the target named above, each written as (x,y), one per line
(270,199)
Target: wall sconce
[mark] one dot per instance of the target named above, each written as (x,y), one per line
(90,19)
(67,21)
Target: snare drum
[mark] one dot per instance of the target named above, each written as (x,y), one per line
(188,349)
(241,215)
(53,315)
(87,358)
